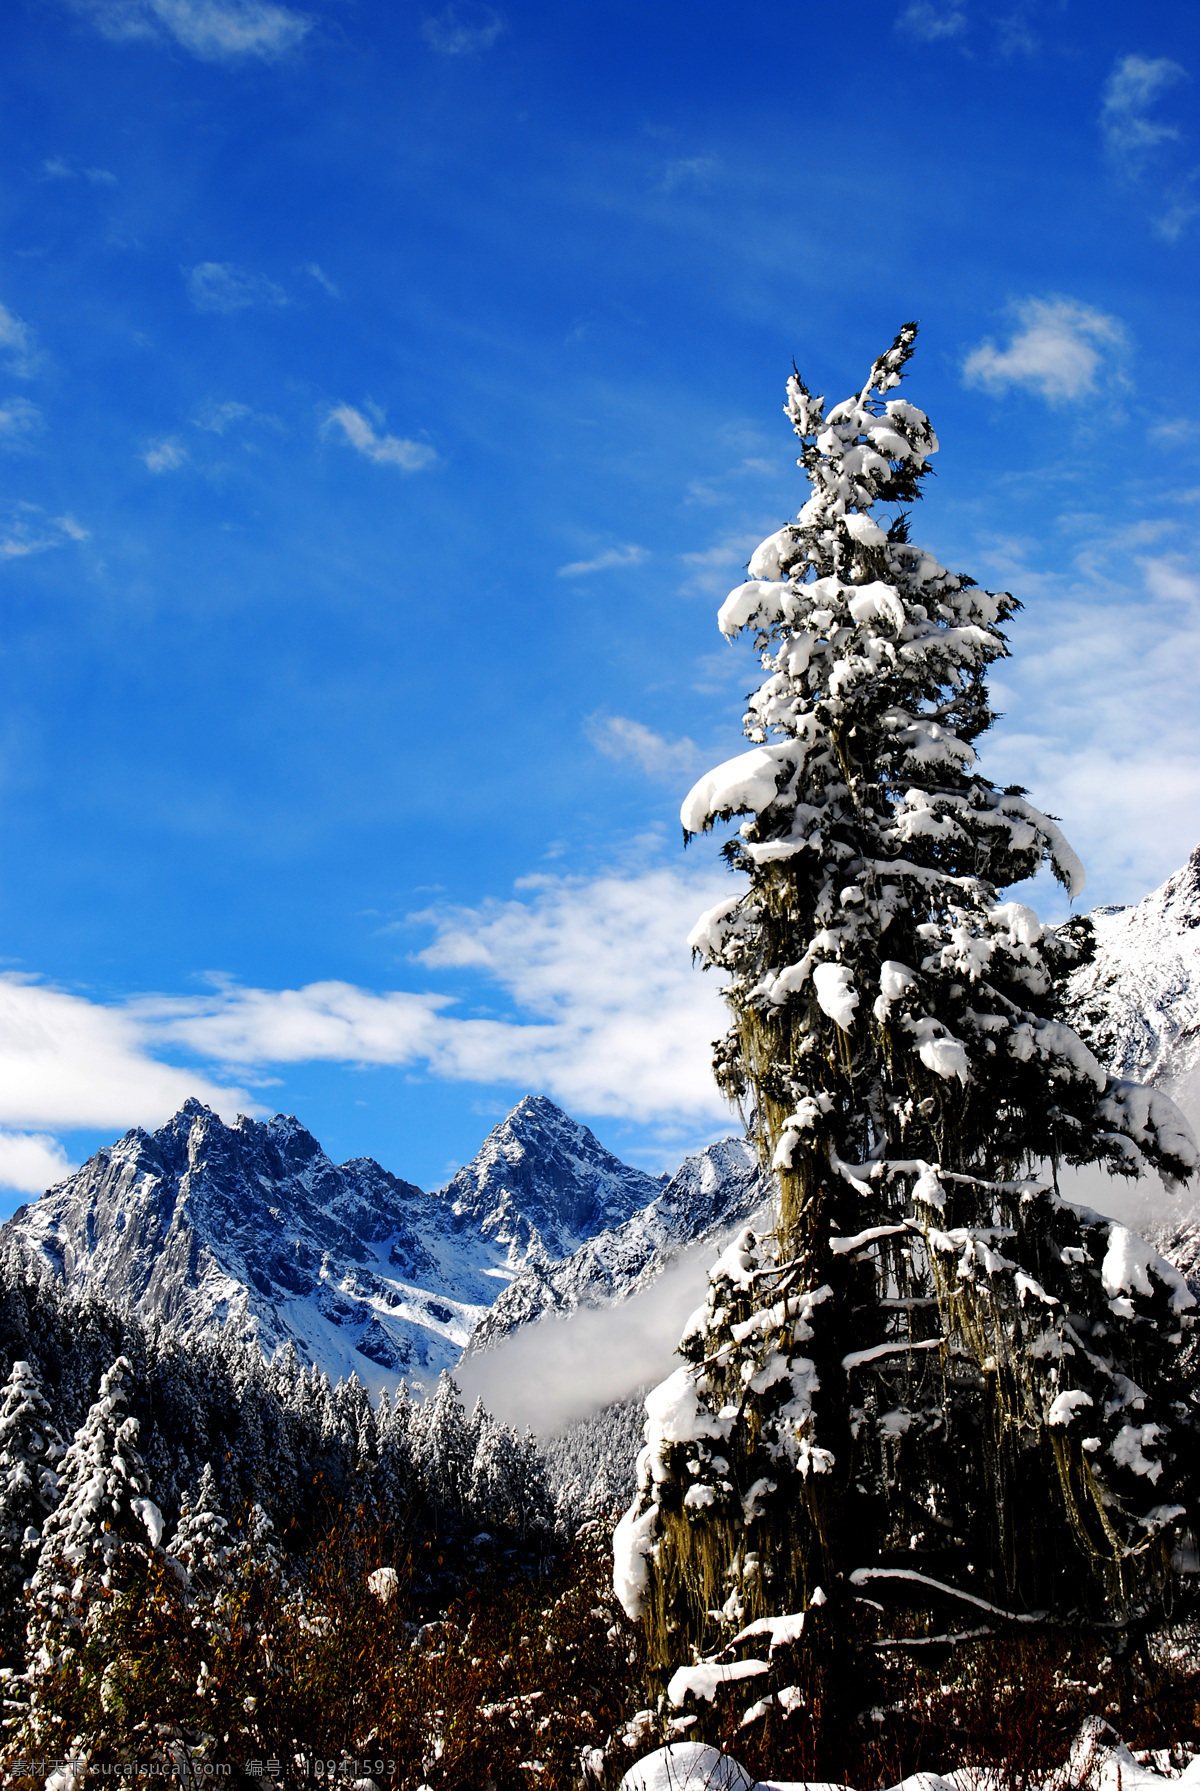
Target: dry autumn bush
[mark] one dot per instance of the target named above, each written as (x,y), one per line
(489,1667)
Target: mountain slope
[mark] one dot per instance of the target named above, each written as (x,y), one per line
(1138,1002)
(203,1225)
(542,1183)
(711,1192)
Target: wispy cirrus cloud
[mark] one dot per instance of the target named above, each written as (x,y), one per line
(20,421)
(220,286)
(60,168)
(930,21)
(211,30)
(463,29)
(165,456)
(618,737)
(1180,208)
(630,555)
(17,341)
(1055,351)
(317,273)
(219,417)
(385,450)
(1135,85)
(711,568)
(26,529)
(696,172)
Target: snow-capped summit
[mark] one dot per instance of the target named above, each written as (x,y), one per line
(542,1184)
(1138,1002)
(203,1225)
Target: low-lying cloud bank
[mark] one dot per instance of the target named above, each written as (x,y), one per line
(548,1375)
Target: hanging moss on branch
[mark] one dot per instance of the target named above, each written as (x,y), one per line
(934,1397)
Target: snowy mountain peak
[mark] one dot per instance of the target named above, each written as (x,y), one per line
(542,1183)
(203,1225)
(715,1189)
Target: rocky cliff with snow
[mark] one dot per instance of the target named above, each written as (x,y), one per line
(712,1191)
(204,1225)
(1138,1002)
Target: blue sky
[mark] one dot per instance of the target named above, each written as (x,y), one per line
(389,393)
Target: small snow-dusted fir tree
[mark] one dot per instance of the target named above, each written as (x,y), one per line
(934,1383)
(30,1451)
(201,1543)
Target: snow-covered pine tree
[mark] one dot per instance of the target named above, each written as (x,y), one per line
(201,1542)
(96,1544)
(509,1487)
(30,1451)
(934,1383)
(443,1447)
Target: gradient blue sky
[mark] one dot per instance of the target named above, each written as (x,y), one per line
(390,393)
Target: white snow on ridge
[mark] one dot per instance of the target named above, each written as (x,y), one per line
(1138,1003)
(205,1226)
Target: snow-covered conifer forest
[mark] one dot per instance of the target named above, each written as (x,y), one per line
(920,1493)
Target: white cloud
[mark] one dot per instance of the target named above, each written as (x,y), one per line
(19,419)
(1181,208)
(1134,85)
(929,22)
(713,567)
(213,30)
(1055,352)
(18,340)
(318,274)
(463,29)
(67,1063)
(697,172)
(612,556)
(327,1022)
(1102,716)
(620,738)
(551,1374)
(59,168)
(26,529)
(220,286)
(386,450)
(165,456)
(610,1016)
(32,1161)
(218,417)
(1014,35)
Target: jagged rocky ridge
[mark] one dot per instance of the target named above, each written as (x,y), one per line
(716,1189)
(252,1228)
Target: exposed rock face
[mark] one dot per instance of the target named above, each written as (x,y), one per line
(203,1225)
(711,1192)
(542,1183)
(1138,1003)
